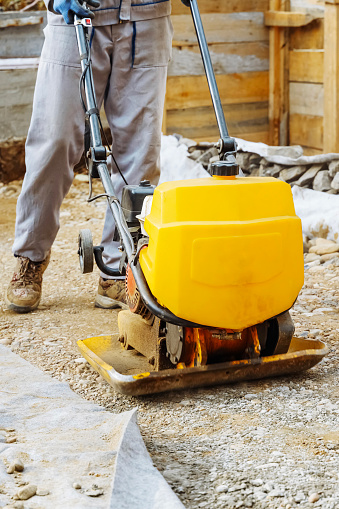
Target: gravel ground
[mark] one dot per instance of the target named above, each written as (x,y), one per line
(264,444)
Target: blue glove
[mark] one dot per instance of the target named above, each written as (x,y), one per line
(67,8)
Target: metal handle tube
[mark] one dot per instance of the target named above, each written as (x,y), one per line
(91,103)
(116,210)
(206,58)
(114,204)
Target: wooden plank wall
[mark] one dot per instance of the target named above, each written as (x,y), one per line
(306,81)
(238,42)
(21,39)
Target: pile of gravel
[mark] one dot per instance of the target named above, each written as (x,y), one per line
(323,176)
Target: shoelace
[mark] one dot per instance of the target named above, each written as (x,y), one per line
(28,272)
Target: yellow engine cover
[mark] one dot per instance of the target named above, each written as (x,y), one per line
(224,252)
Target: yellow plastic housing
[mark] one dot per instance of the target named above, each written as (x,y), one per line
(224,252)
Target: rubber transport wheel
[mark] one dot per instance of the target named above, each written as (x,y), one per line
(85,251)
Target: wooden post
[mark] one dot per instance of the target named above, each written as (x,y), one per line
(331,77)
(278,79)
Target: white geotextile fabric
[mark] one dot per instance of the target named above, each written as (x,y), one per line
(175,163)
(319,212)
(286,156)
(137,484)
(63,439)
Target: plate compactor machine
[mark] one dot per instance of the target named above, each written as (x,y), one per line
(211,277)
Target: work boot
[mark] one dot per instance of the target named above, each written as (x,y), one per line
(24,291)
(111,294)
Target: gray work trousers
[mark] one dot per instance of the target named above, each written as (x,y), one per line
(130,69)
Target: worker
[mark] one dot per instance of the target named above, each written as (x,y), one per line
(130,49)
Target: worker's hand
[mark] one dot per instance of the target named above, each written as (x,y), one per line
(186,2)
(67,8)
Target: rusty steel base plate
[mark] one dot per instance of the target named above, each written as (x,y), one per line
(128,372)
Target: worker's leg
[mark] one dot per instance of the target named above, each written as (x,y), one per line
(134,107)
(54,145)
(55,138)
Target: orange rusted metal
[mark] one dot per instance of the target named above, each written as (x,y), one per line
(202,346)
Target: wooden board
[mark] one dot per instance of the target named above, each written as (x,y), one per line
(22,41)
(198,122)
(221,28)
(307,99)
(278,78)
(331,78)
(220,6)
(308,37)
(226,59)
(17,87)
(307,66)
(193,92)
(306,130)
(308,151)
(259,137)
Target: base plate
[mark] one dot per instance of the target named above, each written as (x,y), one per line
(129,372)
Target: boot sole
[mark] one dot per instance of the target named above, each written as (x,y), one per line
(106,303)
(20,309)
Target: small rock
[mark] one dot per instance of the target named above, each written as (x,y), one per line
(322,181)
(237,487)
(18,465)
(76,486)
(330,256)
(223,488)
(334,261)
(206,156)
(308,176)
(333,168)
(292,173)
(316,268)
(6,341)
(257,482)
(260,495)
(299,497)
(312,264)
(274,170)
(335,183)
(41,492)
(27,492)
(79,360)
(11,440)
(94,492)
(326,247)
(243,160)
(195,154)
(311,257)
(276,493)
(314,497)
